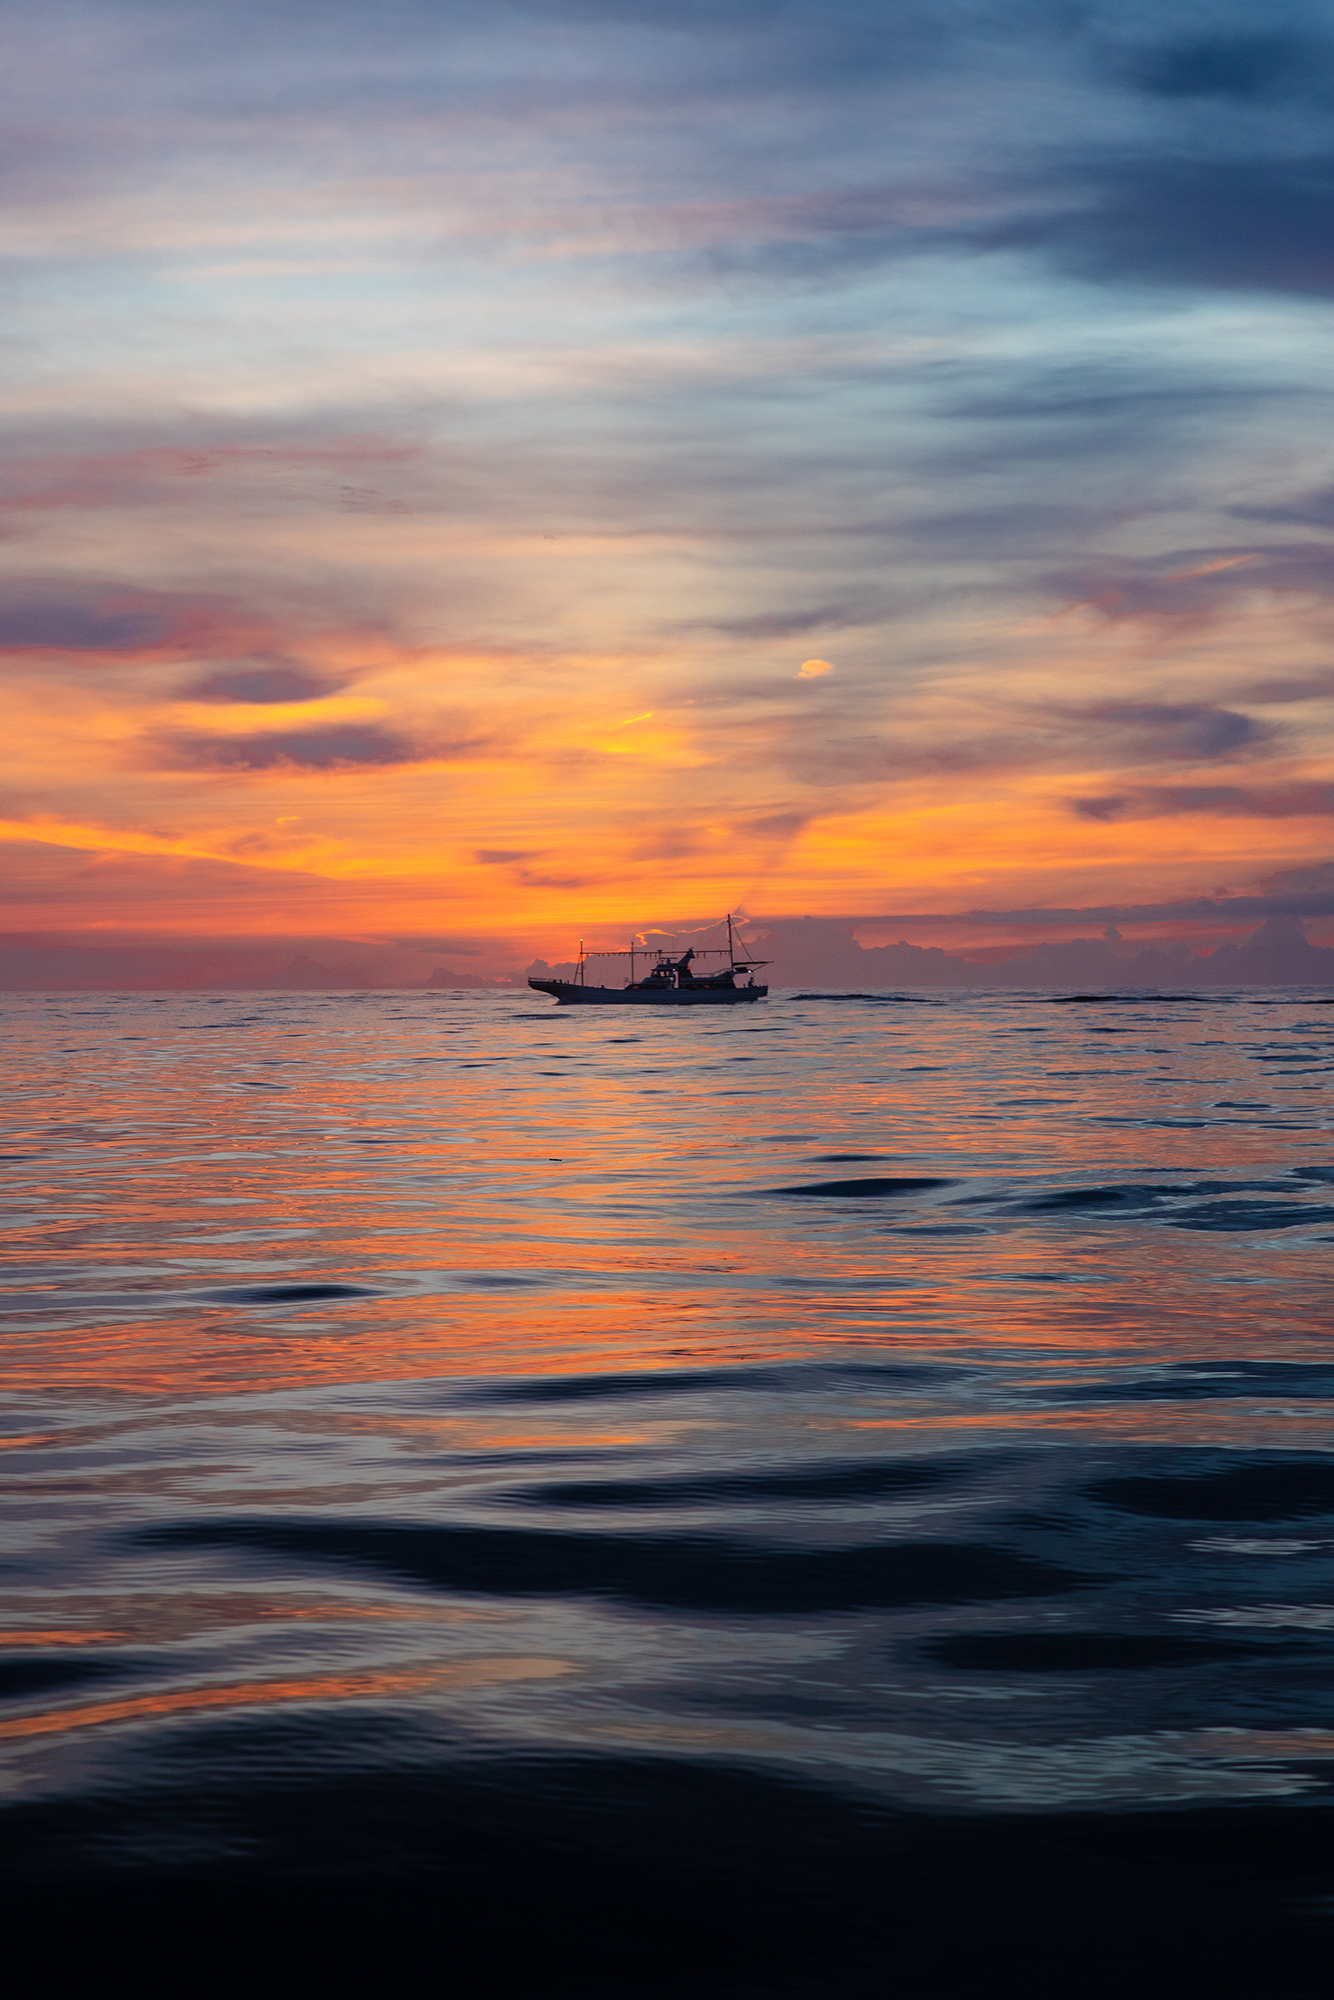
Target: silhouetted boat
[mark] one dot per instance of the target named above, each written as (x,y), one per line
(670,983)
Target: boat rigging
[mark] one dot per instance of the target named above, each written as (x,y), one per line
(670,982)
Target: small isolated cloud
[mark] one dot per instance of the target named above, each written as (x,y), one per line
(1293,801)
(70,615)
(1256,225)
(810,670)
(340,748)
(778,624)
(1189,731)
(775,826)
(1241,67)
(267,681)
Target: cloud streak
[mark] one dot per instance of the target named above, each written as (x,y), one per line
(350,747)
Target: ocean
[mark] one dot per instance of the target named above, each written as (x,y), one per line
(828,1497)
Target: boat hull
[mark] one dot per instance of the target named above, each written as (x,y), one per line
(570,995)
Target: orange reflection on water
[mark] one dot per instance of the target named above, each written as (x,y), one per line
(56,1638)
(346,1687)
(154,1618)
(1266,1743)
(1230,1421)
(55,1720)
(177,1355)
(185,1209)
(430,1433)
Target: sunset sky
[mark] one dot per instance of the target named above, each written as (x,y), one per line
(503,471)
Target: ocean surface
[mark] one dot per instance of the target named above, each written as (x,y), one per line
(829,1497)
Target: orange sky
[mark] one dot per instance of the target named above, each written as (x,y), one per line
(423,504)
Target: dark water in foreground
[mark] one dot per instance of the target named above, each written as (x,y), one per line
(828,1498)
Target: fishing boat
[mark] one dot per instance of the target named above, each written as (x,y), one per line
(669,982)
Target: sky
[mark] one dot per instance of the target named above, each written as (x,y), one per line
(480,475)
